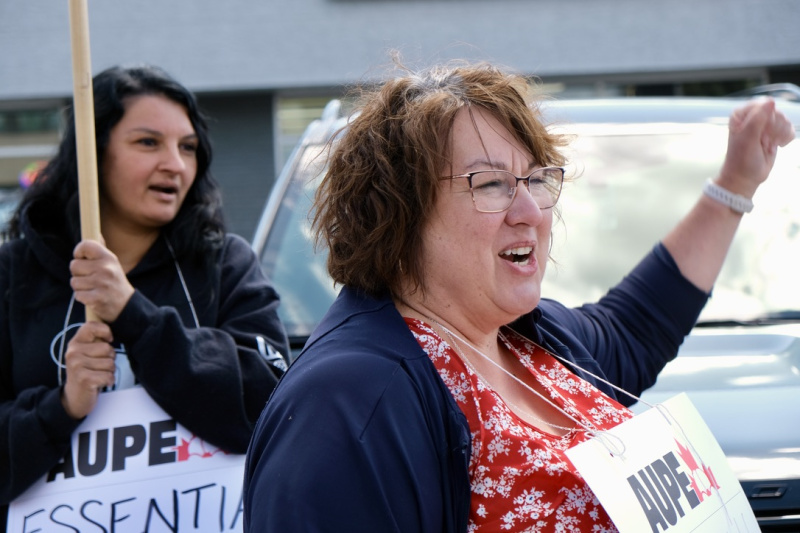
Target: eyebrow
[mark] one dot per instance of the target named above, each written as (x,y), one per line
(157,133)
(483,164)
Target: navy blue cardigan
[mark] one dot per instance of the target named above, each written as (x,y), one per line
(361,434)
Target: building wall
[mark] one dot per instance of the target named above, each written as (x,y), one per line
(243,56)
(279,44)
(243,141)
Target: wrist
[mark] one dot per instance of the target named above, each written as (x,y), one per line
(736,202)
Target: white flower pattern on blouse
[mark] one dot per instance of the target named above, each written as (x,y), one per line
(520,477)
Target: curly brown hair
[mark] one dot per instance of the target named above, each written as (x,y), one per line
(384,168)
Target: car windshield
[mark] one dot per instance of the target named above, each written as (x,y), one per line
(631,183)
(635,182)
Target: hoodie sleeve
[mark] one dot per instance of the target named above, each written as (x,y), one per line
(35,429)
(215,379)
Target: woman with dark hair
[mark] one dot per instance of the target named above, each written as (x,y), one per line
(184,309)
(441,390)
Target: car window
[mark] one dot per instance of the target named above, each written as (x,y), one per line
(299,274)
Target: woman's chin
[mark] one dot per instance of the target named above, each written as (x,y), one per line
(522,303)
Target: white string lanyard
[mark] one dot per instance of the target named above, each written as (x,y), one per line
(658,407)
(613,444)
(60,363)
(575,366)
(183,283)
(662,410)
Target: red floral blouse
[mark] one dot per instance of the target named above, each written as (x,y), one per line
(521,479)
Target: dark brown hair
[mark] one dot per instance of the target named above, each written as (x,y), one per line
(198,229)
(382,181)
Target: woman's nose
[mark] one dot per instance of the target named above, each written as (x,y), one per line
(524,207)
(172,159)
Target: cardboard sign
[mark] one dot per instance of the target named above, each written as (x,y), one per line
(132,468)
(663,471)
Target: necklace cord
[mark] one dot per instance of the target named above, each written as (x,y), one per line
(612,443)
(60,363)
(575,366)
(183,282)
(453,336)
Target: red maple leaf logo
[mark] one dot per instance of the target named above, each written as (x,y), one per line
(701,494)
(711,479)
(183,450)
(687,456)
(196,447)
(706,472)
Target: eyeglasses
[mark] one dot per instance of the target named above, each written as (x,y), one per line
(494,190)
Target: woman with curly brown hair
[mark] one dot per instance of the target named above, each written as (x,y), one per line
(439,392)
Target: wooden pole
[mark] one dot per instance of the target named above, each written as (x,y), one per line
(83,105)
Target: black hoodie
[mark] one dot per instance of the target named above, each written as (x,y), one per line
(213,379)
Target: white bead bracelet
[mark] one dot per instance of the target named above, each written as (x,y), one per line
(736,202)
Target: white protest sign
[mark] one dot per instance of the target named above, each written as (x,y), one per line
(132,468)
(671,477)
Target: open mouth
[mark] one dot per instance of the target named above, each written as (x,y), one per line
(520,256)
(164,189)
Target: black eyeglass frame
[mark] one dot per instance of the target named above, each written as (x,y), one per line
(526,179)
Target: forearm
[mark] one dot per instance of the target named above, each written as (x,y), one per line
(701,240)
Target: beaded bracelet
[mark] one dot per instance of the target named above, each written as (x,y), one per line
(736,202)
